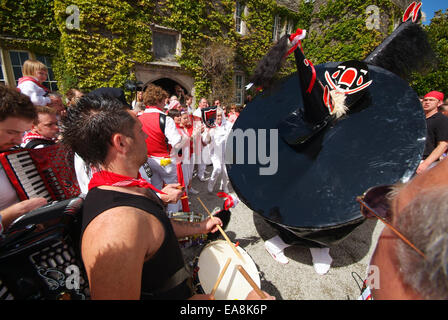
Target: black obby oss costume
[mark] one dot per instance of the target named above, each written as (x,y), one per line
(342,128)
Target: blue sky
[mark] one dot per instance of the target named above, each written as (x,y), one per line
(430,6)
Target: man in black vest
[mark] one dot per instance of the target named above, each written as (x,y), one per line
(129,246)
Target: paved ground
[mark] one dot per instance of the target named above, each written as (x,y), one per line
(296,280)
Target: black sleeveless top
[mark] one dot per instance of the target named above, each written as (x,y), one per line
(166,261)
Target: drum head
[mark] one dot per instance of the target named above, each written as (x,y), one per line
(233,285)
(381,141)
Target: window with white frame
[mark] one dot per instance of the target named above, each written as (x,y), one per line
(239,10)
(166,44)
(51,83)
(2,76)
(13,67)
(239,89)
(291,27)
(282,26)
(17,59)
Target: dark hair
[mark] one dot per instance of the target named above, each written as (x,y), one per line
(174,113)
(15,104)
(88,127)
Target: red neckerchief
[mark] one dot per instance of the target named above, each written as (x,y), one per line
(26,78)
(31,136)
(107,178)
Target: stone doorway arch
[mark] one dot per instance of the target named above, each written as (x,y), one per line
(169,85)
(166,77)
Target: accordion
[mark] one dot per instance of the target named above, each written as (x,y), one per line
(40,255)
(47,172)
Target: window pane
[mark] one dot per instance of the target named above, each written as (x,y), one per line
(2,76)
(17,73)
(17,60)
(274,32)
(238,13)
(239,91)
(23,57)
(164,46)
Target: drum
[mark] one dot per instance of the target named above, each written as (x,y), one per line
(189,217)
(233,285)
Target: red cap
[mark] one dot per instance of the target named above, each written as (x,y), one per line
(435,94)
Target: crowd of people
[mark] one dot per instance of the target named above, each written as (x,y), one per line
(135,164)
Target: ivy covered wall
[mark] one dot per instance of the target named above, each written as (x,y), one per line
(28,25)
(115,35)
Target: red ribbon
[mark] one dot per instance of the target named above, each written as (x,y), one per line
(313,77)
(228,203)
(180,178)
(107,178)
(298,33)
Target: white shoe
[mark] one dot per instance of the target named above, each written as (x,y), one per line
(321,259)
(276,255)
(202,178)
(193,191)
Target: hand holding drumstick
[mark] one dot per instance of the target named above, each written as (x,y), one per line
(224,234)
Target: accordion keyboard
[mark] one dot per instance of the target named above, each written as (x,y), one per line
(28,175)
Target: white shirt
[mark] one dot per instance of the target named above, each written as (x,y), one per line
(8,195)
(34,92)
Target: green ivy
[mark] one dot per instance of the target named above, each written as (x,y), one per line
(343,33)
(28,25)
(437,32)
(115,35)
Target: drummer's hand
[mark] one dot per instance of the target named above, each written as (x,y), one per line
(254,296)
(211,225)
(173,193)
(202,297)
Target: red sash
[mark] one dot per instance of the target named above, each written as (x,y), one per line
(180,178)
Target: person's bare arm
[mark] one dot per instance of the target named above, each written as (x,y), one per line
(114,247)
(434,156)
(184,228)
(16,210)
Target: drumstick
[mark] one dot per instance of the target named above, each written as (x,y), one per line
(251,282)
(224,234)
(220,277)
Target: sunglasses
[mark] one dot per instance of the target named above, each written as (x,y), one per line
(375,204)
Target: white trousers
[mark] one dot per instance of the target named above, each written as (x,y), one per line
(162,175)
(219,171)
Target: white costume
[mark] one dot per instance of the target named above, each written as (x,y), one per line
(161,161)
(34,92)
(216,138)
(8,195)
(201,152)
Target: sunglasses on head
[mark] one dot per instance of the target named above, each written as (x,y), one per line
(376,204)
